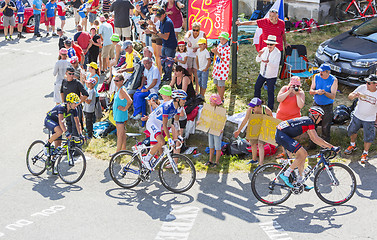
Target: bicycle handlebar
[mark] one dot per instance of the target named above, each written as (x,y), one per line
(328,153)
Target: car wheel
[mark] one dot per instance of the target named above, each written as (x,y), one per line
(31,21)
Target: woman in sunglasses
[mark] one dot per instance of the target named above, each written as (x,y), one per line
(59,71)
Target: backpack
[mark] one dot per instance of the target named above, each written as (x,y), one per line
(257,14)
(237,147)
(134,81)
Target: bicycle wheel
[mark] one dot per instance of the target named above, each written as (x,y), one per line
(35,158)
(341,14)
(268,187)
(125,169)
(182,180)
(335,193)
(71,166)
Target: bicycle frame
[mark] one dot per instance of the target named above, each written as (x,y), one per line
(358,7)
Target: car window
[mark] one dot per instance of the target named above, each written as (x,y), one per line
(27,3)
(367,28)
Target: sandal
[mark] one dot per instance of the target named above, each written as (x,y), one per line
(208,163)
(214,165)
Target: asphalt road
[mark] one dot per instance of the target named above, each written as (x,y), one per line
(219,206)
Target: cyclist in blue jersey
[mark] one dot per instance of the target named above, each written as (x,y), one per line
(159,118)
(55,117)
(286,131)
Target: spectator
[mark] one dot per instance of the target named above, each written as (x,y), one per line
(83,13)
(191,38)
(221,66)
(37,10)
(182,81)
(20,17)
(122,23)
(60,71)
(74,61)
(70,85)
(7,8)
(89,106)
(269,57)
(84,40)
(203,61)
(79,52)
(173,11)
(93,51)
(93,72)
(50,13)
(122,102)
(115,39)
(106,6)
(364,116)
(109,20)
(255,107)
(106,31)
(68,46)
(323,88)
(62,38)
(148,52)
(76,5)
(62,8)
(156,40)
(169,41)
(141,9)
(92,11)
(270,26)
(181,55)
(149,84)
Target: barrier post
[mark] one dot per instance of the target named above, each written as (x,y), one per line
(234,41)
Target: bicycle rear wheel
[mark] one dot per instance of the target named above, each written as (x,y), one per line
(71,166)
(338,191)
(268,187)
(341,14)
(182,180)
(35,158)
(125,169)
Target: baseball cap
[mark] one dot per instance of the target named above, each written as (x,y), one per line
(295,81)
(274,10)
(153,96)
(324,67)
(224,35)
(371,78)
(102,19)
(63,51)
(91,80)
(150,49)
(160,12)
(202,41)
(255,102)
(74,59)
(126,44)
(68,41)
(93,65)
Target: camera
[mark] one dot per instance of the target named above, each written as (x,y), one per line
(296,88)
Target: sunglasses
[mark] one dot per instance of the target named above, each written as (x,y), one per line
(117,80)
(370,83)
(195,30)
(71,74)
(270,44)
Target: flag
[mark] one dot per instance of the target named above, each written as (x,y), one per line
(278,5)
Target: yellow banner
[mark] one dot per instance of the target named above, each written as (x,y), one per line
(212,119)
(262,127)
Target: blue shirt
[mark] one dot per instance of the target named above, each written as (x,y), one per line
(20,7)
(50,7)
(119,116)
(165,109)
(143,8)
(106,30)
(71,52)
(326,85)
(165,27)
(38,4)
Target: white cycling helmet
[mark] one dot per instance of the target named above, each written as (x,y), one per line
(180,94)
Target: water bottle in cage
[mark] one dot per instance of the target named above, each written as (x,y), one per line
(307,170)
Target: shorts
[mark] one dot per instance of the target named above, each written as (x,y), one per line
(183,123)
(286,141)
(20,18)
(50,21)
(369,130)
(219,83)
(63,18)
(191,62)
(82,14)
(124,32)
(214,141)
(157,40)
(8,21)
(51,125)
(203,78)
(108,51)
(178,29)
(154,128)
(92,17)
(76,14)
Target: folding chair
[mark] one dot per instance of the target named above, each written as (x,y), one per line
(296,63)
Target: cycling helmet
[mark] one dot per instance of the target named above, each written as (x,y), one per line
(72,98)
(165,90)
(180,94)
(315,110)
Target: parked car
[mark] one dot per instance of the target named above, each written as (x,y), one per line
(352,55)
(29,16)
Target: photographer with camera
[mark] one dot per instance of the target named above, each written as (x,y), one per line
(291,100)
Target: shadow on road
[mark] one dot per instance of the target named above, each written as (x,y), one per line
(367,175)
(50,95)
(48,187)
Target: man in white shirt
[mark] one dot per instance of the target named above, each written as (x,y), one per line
(364,115)
(269,57)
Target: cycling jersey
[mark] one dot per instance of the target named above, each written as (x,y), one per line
(60,109)
(297,126)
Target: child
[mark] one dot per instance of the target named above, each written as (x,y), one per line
(203,61)
(214,142)
(62,8)
(89,106)
(221,66)
(181,54)
(50,13)
(20,17)
(153,101)
(255,107)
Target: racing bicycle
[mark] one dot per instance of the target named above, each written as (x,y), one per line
(69,161)
(176,172)
(334,183)
(355,9)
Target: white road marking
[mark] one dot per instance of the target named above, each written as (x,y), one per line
(274,231)
(13,50)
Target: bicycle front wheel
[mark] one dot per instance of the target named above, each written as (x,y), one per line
(177,181)
(125,169)
(35,158)
(341,14)
(268,187)
(335,185)
(71,166)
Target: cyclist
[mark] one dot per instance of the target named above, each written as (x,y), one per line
(287,130)
(158,120)
(54,121)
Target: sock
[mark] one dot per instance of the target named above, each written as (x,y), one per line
(48,144)
(353,144)
(288,172)
(300,179)
(365,152)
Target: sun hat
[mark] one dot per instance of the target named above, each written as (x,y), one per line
(156,6)
(324,67)
(255,102)
(150,49)
(165,90)
(74,59)
(271,39)
(126,44)
(224,35)
(153,96)
(93,65)
(202,41)
(215,98)
(102,19)
(63,51)
(295,81)
(91,80)
(115,38)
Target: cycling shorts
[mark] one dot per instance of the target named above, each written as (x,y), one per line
(286,141)
(51,125)
(154,129)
